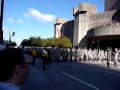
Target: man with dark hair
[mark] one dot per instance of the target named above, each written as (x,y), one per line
(14,68)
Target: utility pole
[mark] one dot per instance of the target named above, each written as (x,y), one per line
(1,20)
(9,37)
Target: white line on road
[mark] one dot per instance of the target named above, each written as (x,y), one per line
(108,72)
(80,81)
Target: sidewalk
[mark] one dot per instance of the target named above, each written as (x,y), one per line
(104,64)
(36,79)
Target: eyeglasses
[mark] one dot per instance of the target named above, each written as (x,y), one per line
(29,63)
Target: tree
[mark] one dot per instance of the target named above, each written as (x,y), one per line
(13,44)
(37,41)
(63,42)
(25,42)
(32,41)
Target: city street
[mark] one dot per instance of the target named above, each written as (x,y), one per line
(80,45)
(72,76)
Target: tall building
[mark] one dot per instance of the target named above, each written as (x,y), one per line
(96,30)
(58,24)
(82,23)
(63,27)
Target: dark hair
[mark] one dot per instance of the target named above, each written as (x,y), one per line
(9,58)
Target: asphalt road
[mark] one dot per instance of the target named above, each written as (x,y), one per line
(71,76)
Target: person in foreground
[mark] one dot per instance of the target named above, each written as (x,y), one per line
(14,68)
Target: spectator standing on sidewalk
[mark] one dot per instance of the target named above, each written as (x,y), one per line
(14,68)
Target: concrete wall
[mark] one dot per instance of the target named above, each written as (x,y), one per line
(87,7)
(68,28)
(57,26)
(81,23)
(104,31)
(112,5)
(75,10)
(83,28)
(63,27)
(57,30)
(100,19)
(76,31)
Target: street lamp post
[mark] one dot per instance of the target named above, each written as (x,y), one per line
(10,36)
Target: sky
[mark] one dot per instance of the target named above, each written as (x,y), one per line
(36,17)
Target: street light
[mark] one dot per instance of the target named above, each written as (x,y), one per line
(11,35)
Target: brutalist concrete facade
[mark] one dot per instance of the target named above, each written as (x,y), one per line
(112,5)
(92,29)
(63,27)
(58,24)
(82,23)
(95,28)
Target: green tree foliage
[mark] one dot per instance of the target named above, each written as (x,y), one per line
(37,41)
(32,41)
(13,44)
(63,42)
(25,42)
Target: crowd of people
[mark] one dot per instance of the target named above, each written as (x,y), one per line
(15,63)
(52,54)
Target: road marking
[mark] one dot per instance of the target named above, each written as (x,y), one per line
(108,72)
(80,81)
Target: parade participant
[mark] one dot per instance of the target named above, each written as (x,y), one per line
(76,54)
(85,54)
(108,56)
(45,58)
(64,54)
(89,54)
(49,54)
(71,54)
(58,54)
(116,54)
(14,68)
(34,54)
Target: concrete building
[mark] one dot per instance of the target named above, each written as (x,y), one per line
(97,30)
(58,27)
(63,27)
(112,5)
